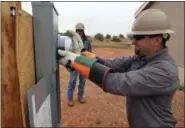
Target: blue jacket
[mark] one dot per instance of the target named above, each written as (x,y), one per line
(87,45)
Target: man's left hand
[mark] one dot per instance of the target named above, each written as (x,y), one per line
(67,59)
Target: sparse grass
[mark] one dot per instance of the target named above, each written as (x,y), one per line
(98,120)
(110,44)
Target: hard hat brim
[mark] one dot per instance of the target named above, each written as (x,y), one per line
(150,32)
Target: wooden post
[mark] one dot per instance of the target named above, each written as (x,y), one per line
(18,70)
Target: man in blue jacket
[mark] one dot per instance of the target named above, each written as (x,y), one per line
(74,74)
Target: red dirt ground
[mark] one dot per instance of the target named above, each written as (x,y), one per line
(103,109)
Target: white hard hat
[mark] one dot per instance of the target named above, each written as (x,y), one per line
(151,21)
(80,26)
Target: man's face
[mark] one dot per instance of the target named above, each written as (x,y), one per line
(145,45)
(80,32)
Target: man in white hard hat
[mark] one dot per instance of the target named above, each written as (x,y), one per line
(149,79)
(74,74)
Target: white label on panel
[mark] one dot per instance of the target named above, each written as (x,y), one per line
(43,117)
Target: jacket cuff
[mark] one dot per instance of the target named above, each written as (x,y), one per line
(98,74)
(100,60)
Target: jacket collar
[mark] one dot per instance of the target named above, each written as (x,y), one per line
(160,54)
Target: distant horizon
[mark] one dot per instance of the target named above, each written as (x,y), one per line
(101,33)
(112,18)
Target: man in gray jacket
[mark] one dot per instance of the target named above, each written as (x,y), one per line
(149,79)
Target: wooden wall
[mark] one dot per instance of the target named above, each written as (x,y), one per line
(18,70)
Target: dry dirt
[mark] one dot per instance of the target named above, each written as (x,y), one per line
(103,109)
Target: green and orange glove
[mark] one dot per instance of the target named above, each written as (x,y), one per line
(93,56)
(88,67)
(89,54)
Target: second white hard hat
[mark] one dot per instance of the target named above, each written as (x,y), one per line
(80,26)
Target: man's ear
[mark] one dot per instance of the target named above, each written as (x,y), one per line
(156,41)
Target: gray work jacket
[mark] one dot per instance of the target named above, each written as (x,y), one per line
(149,83)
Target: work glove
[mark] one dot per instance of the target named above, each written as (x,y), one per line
(78,45)
(76,62)
(67,58)
(93,56)
(89,54)
(87,67)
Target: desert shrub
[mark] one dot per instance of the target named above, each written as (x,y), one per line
(99,36)
(108,36)
(121,36)
(116,39)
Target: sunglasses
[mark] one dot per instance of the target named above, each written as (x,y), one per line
(79,30)
(138,37)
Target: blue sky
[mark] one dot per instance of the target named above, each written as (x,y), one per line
(104,17)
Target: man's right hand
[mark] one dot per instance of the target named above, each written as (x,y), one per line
(89,54)
(93,56)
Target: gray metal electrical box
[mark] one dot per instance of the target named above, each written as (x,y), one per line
(45,28)
(45,22)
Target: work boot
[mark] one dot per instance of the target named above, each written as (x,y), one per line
(70,103)
(81,100)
